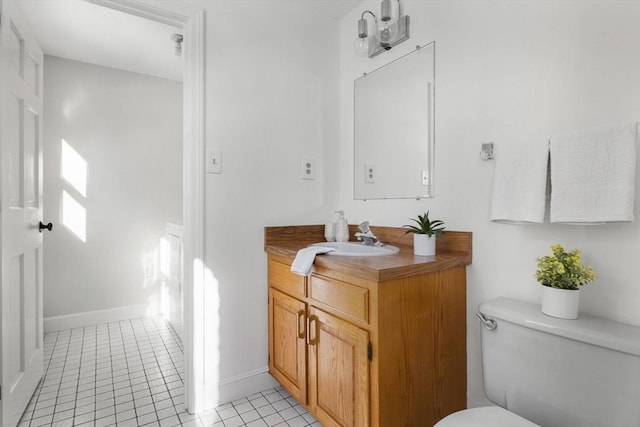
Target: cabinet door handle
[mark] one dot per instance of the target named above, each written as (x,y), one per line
(301,324)
(313,324)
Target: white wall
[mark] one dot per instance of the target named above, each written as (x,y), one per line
(272,99)
(279,88)
(512,72)
(128,129)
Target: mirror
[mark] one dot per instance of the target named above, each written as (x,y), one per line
(394,128)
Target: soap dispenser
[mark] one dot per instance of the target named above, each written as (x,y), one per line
(342,228)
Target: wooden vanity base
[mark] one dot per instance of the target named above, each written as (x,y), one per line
(377,341)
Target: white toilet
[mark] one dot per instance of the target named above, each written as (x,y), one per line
(543,371)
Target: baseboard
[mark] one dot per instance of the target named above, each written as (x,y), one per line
(245,384)
(90,318)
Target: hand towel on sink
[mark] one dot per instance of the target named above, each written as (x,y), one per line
(305,257)
(593,175)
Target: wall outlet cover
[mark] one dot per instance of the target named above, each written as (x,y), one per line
(370,173)
(308,168)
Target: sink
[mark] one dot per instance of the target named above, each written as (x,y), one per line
(357,249)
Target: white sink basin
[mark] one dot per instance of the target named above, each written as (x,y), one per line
(357,249)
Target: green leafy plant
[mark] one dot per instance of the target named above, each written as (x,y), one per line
(425,226)
(563,270)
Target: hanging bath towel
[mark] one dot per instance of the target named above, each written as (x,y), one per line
(593,175)
(520,182)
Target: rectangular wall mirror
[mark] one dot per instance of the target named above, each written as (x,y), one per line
(394,128)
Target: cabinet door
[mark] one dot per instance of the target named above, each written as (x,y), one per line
(287,343)
(339,371)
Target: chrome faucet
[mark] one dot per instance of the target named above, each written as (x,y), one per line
(367,236)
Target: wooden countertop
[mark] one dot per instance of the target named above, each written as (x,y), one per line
(453,249)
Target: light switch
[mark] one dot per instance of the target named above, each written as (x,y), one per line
(214,161)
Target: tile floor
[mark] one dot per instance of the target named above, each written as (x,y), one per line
(129,373)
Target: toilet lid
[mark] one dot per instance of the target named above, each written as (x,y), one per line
(490,416)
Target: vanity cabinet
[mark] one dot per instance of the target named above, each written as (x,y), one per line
(320,358)
(370,342)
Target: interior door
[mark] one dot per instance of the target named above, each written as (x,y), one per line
(20,213)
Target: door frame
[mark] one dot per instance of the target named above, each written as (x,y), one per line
(200,387)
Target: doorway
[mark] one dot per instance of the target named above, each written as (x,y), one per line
(191,20)
(112,175)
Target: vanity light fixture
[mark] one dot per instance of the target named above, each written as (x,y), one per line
(390,30)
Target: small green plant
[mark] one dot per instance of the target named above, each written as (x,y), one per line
(425,226)
(563,270)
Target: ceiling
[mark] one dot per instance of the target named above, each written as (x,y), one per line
(79,30)
(82,31)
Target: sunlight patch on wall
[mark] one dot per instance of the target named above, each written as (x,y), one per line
(154,281)
(74,216)
(165,257)
(150,268)
(206,306)
(74,169)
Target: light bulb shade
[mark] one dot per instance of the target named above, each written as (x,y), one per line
(387,28)
(387,32)
(361,46)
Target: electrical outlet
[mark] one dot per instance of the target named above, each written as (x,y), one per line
(214,161)
(370,173)
(308,169)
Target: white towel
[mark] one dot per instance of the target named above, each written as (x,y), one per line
(305,257)
(520,182)
(593,175)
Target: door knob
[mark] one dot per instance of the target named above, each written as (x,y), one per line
(41,226)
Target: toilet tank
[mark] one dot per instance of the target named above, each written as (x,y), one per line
(561,373)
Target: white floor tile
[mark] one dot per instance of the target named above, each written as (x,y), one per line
(129,373)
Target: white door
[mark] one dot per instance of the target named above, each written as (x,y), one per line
(20,213)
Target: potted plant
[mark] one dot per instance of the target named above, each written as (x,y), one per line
(561,275)
(424,234)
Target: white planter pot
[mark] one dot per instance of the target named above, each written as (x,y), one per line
(562,303)
(424,245)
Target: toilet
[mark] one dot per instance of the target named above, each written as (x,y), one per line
(548,372)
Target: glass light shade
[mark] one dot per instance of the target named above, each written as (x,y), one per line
(387,31)
(361,46)
(387,24)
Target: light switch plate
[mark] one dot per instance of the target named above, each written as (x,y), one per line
(425,178)
(214,161)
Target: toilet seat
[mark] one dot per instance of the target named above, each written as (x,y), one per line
(489,416)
